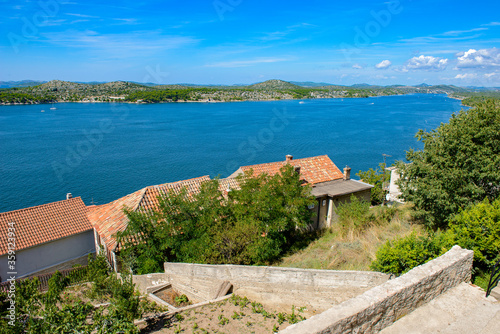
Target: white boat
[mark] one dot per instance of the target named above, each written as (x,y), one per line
(53,108)
(301,102)
(42,111)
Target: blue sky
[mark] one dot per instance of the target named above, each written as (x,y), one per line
(248,41)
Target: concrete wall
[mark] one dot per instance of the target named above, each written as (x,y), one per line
(275,287)
(143,282)
(323,212)
(34,259)
(381,306)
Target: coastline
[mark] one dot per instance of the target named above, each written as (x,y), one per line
(209,100)
(121,100)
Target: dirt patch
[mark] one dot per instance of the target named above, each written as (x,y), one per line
(173,297)
(234,315)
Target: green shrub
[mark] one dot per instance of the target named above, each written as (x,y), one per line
(57,283)
(400,255)
(354,215)
(378,178)
(182,299)
(478,228)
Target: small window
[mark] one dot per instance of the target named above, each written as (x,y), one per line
(324,202)
(310,206)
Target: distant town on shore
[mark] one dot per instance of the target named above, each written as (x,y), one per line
(37,92)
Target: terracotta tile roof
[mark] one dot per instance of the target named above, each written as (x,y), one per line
(150,199)
(43,223)
(109,218)
(313,170)
(228,184)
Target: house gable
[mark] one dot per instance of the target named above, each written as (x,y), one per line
(312,170)
(44,223)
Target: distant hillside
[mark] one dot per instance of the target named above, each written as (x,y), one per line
(311,84)
(19,84)
(274,85)
(34,92)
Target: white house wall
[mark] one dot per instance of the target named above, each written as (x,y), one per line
(37,258)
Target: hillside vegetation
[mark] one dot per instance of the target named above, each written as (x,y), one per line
(122,91)
(353,243)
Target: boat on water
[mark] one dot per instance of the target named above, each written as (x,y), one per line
(42,111)
(53,108)
(301,102)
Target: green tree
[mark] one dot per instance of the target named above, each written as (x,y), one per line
(251,225)
(478,228)
(459,165)
(378,178)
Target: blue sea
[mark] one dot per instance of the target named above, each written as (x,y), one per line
(103,151)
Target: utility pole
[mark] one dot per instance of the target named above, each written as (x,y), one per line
(385,156)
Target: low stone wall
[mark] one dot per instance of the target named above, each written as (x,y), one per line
(381,306)
(279,288)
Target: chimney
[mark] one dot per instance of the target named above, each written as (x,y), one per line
(296,169)
(68,196)
(347,173)
(289,158)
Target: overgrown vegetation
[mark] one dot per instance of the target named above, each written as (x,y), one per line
(454,185)
(59,311)
(352,243)
(378,178)
(476,228)
(255,224)
(458,166)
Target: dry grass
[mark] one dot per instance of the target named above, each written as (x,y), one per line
(343,248)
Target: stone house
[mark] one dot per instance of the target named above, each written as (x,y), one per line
(46,237)
(108,219)
(329,185)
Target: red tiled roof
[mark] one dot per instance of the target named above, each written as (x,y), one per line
(109,218)
(43,223)
(313,170)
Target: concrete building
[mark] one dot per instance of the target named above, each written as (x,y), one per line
(393,191)
(45,238)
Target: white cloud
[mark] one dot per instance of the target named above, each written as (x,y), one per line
(357,66)
(466,76)
(83,15)
(137,44)
(491,24)
(483,58)
(489,75)
(383,64)
(246,63)
(426,63)
(460,32)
